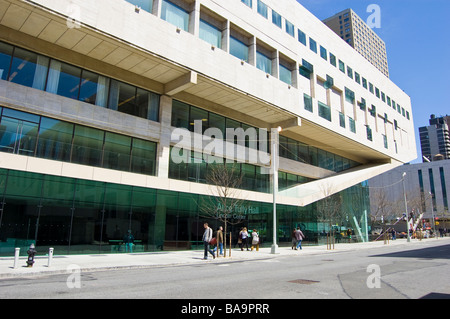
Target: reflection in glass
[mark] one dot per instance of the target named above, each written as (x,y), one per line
(55,140)
(94,88)
(143,157)
(5,59)
(87,146)
(175,15)
(117,152)
(28,69)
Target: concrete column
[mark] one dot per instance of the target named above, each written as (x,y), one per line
(163,154)
(194,19)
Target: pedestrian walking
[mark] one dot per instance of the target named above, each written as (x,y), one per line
(219,236)
(294,239)
(299,236)
(244,238)
(349,235)
(394,234)
(255,240)
(207,237)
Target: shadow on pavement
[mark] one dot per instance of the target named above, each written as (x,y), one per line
(435,295)
(439,252)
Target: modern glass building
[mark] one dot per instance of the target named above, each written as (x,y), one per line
(113,113)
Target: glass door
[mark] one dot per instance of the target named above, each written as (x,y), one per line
(18,136)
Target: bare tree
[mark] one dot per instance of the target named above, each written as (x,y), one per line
(330,208)
(382,205)
(225,182)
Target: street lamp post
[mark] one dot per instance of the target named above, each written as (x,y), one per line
(432,215)
(406,209)
(275,132)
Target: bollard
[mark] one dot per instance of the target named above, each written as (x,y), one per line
(16,258)
(50,256)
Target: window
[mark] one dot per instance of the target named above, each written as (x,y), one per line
(371,88)
(146,5)
(323,53)
(64,79)
(308,102)
(134,101)
(143,157)
(328,84)
(247,2)
(313,45)
(263,62)
(238,49)
(333,60)
(6,51)
(55,140)
(117,151)
(285,74)
(341,66)
(350,72)
(349,95)
(357,78)
(301,37)
(210,34)
(175,15)
(262,9)
(369,133)
(28,69)
(342,119)
(364,83)
(324,111)
(94,88)
(290,29)
(306,69)
(87,146)
(352,125)
(276,18)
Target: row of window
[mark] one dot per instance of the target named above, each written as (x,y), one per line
(38,136)
(314,47)
(184,115)
(254,178)
(40,72)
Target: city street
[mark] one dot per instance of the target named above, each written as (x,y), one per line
(384,272)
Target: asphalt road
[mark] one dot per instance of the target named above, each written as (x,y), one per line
(387,273)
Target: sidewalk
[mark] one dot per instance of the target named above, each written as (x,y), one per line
(88,263)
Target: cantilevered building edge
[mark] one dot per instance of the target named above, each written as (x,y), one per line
(91,93)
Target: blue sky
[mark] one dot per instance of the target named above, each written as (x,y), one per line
(417,36)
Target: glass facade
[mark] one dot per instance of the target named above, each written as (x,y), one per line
(76,216)
(33,135)
(39,72)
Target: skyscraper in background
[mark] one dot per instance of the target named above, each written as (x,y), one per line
(353,30)
(435,139)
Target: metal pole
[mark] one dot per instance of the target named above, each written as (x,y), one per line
(406,210)
(274,249)
(16,258)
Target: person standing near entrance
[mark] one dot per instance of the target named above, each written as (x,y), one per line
(299,236)
(207,236)
(128,240)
